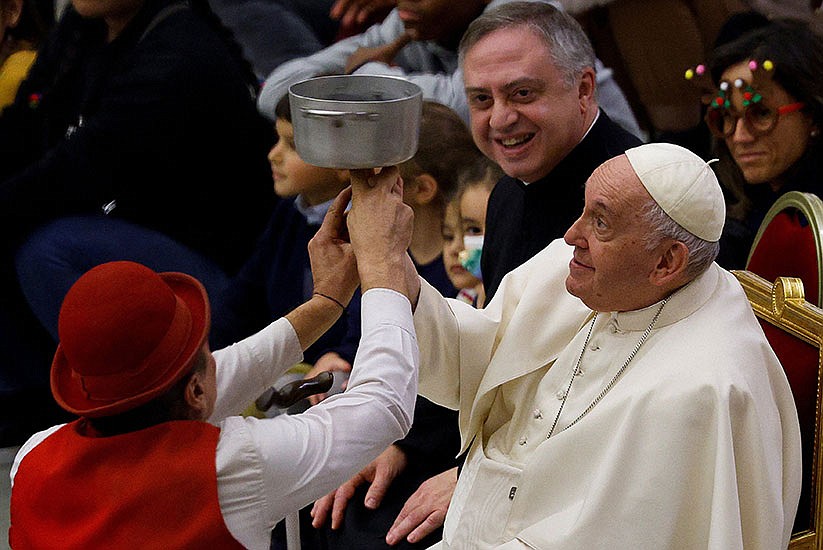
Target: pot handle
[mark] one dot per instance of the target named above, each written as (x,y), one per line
(350,115)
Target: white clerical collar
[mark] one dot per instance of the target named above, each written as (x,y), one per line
(596,116)
(589,129)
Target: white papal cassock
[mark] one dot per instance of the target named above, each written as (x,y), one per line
(697,444)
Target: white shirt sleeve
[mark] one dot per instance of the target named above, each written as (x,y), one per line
(247,368)
(271,467)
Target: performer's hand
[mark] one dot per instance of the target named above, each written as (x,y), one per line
(385,53)
(333,264)
(330,361)
(425,510)
(380,228)
(380,474)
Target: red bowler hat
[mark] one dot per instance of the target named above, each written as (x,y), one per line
(127,334)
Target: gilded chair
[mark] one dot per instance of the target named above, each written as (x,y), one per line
(789,243)
(794,328)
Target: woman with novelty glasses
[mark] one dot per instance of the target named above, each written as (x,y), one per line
(766,114)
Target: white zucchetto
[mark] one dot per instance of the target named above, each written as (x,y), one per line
(683,185)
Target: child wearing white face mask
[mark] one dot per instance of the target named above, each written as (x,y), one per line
(463,228)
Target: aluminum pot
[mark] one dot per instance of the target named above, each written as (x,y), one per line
(355,121)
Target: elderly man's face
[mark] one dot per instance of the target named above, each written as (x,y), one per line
(611,267)
(524,115)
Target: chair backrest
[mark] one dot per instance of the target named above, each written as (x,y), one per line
(794,328)
(789,243)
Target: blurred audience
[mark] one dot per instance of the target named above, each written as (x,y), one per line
(275,31)
(135,136)
(418,41)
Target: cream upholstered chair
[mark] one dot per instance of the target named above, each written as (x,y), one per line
(789,243)
(794,328)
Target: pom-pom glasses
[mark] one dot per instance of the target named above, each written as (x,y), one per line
(760,119)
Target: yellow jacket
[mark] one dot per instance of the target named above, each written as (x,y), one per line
(12,73)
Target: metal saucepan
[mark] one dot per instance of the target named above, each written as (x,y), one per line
(355,121)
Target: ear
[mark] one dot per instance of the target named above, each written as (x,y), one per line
(671,266)
(11,11)
(586,88)
(424,189)
(196,396)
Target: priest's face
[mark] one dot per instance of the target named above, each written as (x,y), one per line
(525,114)
(612,263)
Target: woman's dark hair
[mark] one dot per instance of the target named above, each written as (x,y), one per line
(797,54)
(795,50)
(737,25)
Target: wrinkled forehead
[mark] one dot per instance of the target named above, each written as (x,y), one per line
(615,184)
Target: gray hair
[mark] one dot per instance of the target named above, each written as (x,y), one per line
(661,226)
(568,44)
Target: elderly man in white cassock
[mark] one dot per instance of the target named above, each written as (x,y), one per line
(618,392)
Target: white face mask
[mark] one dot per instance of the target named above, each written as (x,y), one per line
(470,255)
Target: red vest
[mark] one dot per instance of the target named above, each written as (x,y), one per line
(154,488)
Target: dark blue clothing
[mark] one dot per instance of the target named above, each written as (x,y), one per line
(59,253)
(157,128)
(274,281)
(435,274)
